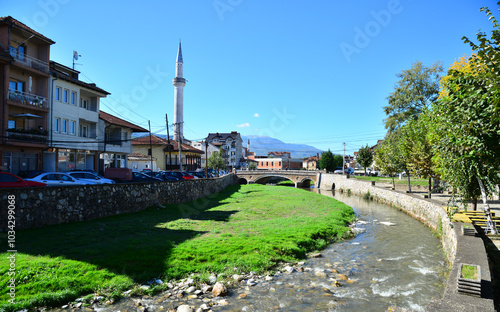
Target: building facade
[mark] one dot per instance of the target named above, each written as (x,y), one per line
(73,122)
(24,91)
(232,147)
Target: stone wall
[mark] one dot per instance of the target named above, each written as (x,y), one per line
(37,207)
(427,211)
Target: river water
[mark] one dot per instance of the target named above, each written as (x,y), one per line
(395,262)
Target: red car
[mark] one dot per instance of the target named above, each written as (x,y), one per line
(8,179)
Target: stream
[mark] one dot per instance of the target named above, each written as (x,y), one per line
(395,262)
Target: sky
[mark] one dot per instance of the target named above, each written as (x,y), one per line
(315,72)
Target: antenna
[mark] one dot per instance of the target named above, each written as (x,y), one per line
(75,58)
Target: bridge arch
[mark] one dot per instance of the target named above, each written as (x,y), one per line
(298,177)
(264,178)
(242,181)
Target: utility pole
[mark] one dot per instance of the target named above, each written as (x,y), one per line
(206,158)
(169,145)
(151,149)
(343,161)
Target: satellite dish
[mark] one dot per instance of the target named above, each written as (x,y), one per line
(75,55)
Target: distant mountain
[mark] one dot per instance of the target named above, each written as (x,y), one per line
(261,145)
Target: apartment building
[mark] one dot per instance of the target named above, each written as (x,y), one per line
(24,91)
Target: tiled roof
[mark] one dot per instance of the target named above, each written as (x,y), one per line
(164,142)
(137,156)
(120,122)
(234,135)
(61,75)
(12,21)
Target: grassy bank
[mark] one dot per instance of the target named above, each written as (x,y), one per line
(249,227)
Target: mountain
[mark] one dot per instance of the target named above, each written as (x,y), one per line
(261,145)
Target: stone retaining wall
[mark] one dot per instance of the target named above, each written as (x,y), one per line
(37,207)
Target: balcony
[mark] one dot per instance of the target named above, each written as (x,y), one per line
(31,62)
(27,136)
(28,99)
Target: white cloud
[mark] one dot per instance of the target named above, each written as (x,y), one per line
(256,115)
(243,125)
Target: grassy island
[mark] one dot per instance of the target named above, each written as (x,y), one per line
(241,229)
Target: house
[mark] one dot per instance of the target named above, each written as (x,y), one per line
(73,121)
(274,163)
(139,162)
(115,140)
(232,146)
(311,163)
(24,89)
(167,155)
(208,147)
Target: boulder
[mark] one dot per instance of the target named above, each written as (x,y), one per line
(219,289)
(185,308)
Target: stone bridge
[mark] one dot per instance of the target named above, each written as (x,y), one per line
(301,178)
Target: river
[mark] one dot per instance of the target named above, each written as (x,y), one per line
(395,262)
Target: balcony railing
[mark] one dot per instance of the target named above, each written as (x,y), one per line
(27,136)
(30,61)
(26,98)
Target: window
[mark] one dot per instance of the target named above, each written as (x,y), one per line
(84,103)
(57,124)
(58,94)
(64,126)
(83,131)
(12,124)
(66,96)
(73,98)
(21,52)
(72,126)
(16,85)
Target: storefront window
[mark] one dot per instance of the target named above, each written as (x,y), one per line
(66,161)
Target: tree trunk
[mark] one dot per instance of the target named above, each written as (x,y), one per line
(409,183)
(393,183)
(474,204)
(430,187)
(487,208)
(365,172)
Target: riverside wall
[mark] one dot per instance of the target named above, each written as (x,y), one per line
(38,207)
(457,247)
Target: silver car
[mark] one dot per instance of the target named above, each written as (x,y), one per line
(90,177)
(58,179)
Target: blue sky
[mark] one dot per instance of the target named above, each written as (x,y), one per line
(315,72)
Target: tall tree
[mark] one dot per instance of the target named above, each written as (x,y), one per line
(365,157)
(468,124)
(215,161)
(338,161)
(327,161)
(415,90)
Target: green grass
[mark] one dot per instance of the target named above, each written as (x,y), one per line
(469,271)
(287,183)
(413,181)
(244,228)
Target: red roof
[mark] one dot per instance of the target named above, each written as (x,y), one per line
(12,21)
(160,141)
(120,122)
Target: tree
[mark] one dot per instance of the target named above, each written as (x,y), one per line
(416,89)
(338,161)
(468,127)
(387,160)
(365,157)
(327,161)
(417,147)
(252,165)
(215,161)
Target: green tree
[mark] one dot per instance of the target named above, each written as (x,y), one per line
(417,89)
(327,161)
(215,161)
(252,165)
(338,161)
(467,122)
(417,147)
(387,160)
(365,157)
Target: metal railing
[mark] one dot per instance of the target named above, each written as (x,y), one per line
(30,61)
(26,98)
(26,137)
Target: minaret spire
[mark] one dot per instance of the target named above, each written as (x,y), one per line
(179,82)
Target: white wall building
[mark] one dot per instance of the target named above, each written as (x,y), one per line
(73,121)
(232,145)
(208,149)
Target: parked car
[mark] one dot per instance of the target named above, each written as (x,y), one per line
(141,177)
(165,177)
(8,179)
(179,174)
(199,174)
(90,177)
(58,179)
(187,176)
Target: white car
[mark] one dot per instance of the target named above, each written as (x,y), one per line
(58,179)
(90,177)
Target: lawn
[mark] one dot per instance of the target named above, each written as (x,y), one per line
(243,228)
(413,181)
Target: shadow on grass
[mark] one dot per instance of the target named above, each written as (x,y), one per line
(137,244)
